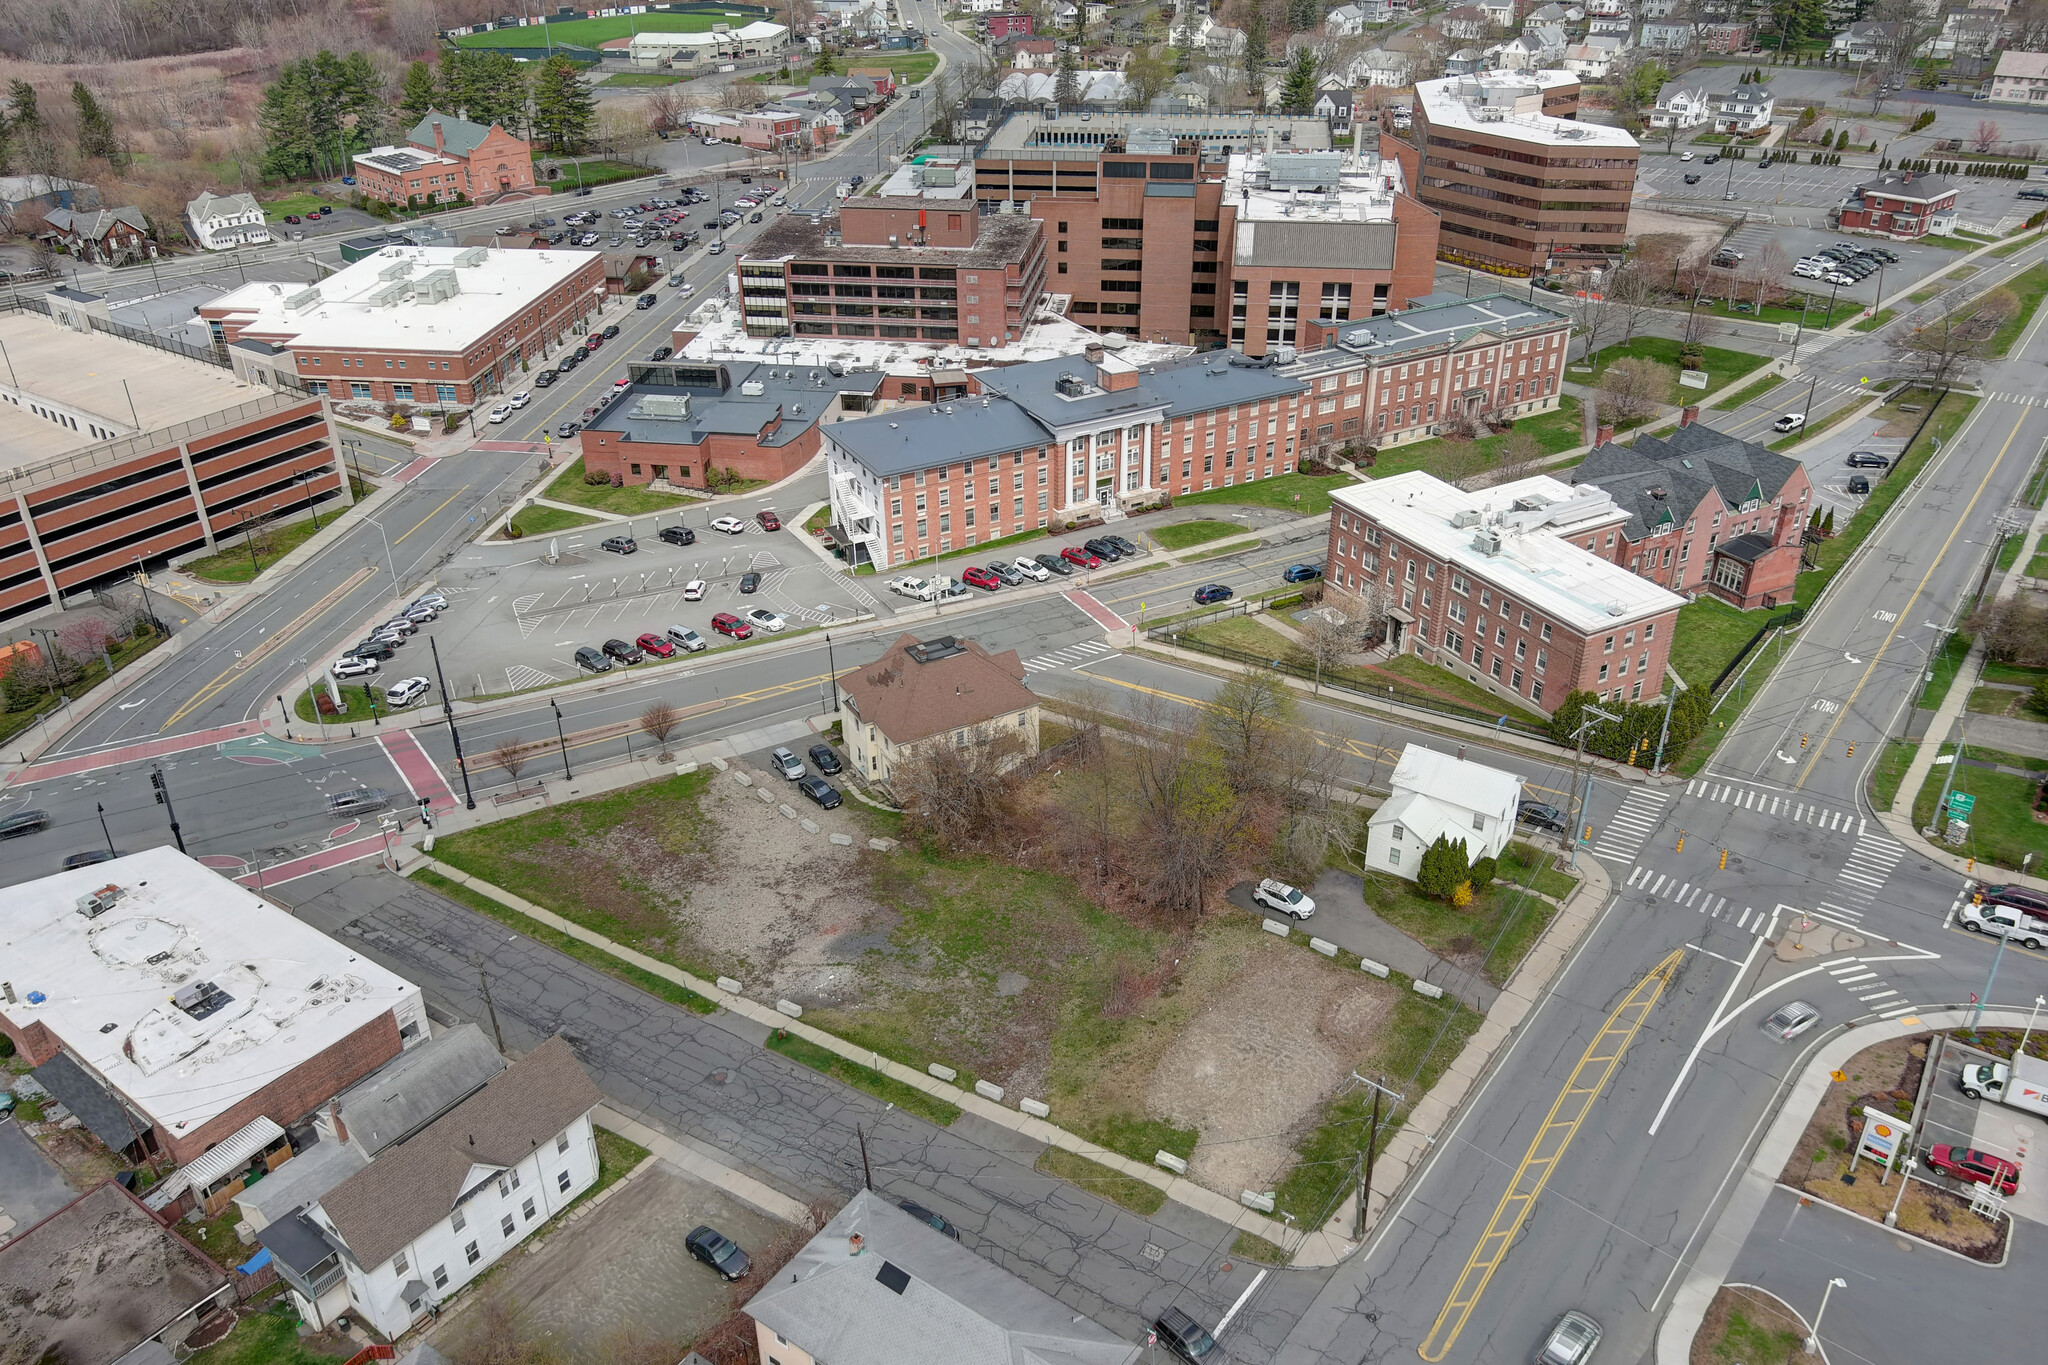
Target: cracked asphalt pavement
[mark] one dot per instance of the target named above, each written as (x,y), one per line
(708,1082)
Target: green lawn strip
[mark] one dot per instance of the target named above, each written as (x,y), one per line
(1249,1246)
(2037,567)
(355,706)
(1412,669)
(1890,771)
(1944,665)
(589,954)
(1450,932)
(595,173)
(1750,394)
(630,501)
(2009,551)
(2021,674)
(264,1338)
(1555,432)
(909,67)
(1180,535)
(1993,701)
(92,673)
(1418,1042)
(905,1097)
(589,32)
(2029,287)
(232,564)
(1875,320)
(1307,495)
(1526,865)
(647,78)
(2003,830)
(1729,710)
(539,520)
(2029,239)
(1128,1191)
(1723,367)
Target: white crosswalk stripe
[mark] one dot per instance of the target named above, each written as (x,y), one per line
(2025,400)
(1778,805)
(1862,981)
(1870,863)
(1085,652)
(1627,829)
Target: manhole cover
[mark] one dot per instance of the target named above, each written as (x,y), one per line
(281,824)
(1154,1253)
(718,1076)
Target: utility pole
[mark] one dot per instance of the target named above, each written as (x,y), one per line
(448,710)
(562,739)
(867,1175)
(163,798)
(1592,715)
(490,1006)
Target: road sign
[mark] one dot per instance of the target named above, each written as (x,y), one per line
(1692,379)
(1960,804)
(1787,331)
(1838,1076)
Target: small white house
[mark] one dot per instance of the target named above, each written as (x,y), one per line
(221,222)
(1680,107)
(1345,21)
(1745,109)
(1436,794)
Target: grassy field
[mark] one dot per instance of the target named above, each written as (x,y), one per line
(1750,394)
(633,500)
(1555,432)
(2021,674)
(540,521)
(301,202)
(235,564)
(2003,830)
(644,78)
(595,173)
(591,32)
(909,67)
(1181,534)
(2030,287)
(264,1339)
(1421,674)
(1307,495)
(1890,771)
(1723,367)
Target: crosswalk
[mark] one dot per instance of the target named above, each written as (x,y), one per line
(2025,400)
(1684,895)
(1862,980)
(1088,651)
(1780,805)
(1624,834)
(1871,862)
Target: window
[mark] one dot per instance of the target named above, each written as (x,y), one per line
(400,1265)
(1603,674)
(1393,857)
(504,1188)
(1536,690)
(457,1221)
(1546,632)
(440,1277)
(1478,821)
(562,1143)
(506,1225)
(526,1210)
(562,1180)
(472,1253)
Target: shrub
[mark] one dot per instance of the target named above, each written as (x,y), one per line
(513,531)
(1461,896)
(595,477)
(618,479)
(1483,873)
(1444,869)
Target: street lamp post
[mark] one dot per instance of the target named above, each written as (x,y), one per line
(2004,937)
(389,562)
(2039,1002)
(1591,714)
(1813,1342)
(103,829)
(562,739)
(448,710)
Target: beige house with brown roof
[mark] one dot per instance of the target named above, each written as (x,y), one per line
(938,691)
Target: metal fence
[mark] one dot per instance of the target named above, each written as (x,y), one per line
(30,477)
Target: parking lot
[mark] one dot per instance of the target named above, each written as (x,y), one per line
(1952,1117)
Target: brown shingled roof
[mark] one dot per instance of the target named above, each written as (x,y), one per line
(414,1185)
(909,701)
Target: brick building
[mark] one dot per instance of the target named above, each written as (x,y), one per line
(1708,512)
(187,1008)
(1009,24)
(1519,181)
(1512,587)
(411,324)
(1900,204)
(1050,441)
(445,159)
(1201,228)
(895,268)
(99,487)
(1395,379)
(680,422)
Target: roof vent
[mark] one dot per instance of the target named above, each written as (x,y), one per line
(931,651)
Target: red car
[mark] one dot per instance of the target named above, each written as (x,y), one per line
(981,578)
(656,645)
(593,343)
(769,521)
(1076,554)
(1973,1167)
(725,623)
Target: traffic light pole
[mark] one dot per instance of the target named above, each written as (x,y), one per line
(163,798)
(448,710)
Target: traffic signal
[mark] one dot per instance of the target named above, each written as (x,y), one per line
(1802,741)
(1852,749)
(1724,860)
(156,781)
(1681,842)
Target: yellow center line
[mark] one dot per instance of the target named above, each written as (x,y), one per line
(239,668)
(430,516)
(1905,612)
(1596,1067)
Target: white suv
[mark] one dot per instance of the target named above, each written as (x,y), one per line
(1288,900)
(1032,569)
(405,692)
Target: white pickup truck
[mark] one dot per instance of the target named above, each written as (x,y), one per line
(915,588)
(2028,1089)
(2027,930)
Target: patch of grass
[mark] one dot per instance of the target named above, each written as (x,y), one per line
(616,1156)
(2028,239)
(1249,1246)
(1499,924)
(1993,701)
(632,500)
(1414,670)
(1102,1182)
(590,32)
(1305,495)
(263,1339)
(1723,367)
(1815,428)
(2021,674)
(1945,663)
(1526,865)
(819,519)
(300,202)
(1750,394)
(355,704)
(1875,320)
(2009,552)
(2030,288)
(595,173)
(644,78)
(1181,534)
(2003,830)
(2037,567)
(235,562)
(1890,771)
(539,520)
(909,67)
(905,1097)
(1755,1343)
(1555,432)
(216,1237)
(1708,635)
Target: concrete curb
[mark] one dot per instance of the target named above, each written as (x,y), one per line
(739,1185)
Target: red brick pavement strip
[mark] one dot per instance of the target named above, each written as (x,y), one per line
(413,470)
(325,860)
(422,777)
(1099,613)
(130,753)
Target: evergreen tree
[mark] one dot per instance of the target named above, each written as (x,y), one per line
(821,65)
(563,107)
(500,92)
(1444,868)
(1303,15)
(1483,873)
(1066,88)
(362,110)
(458,79)
(95,126)
(1255,55)
(1298,96)
(28,117)
(416,99)
(1827,527)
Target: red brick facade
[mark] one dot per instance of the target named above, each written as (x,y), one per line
(1899,204)
(459,165)
(299,1091)
(690,466)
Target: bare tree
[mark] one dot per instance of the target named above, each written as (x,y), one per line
(2027,26)
(1244,721)
(1632,388)
(1949,338)
(1633,290)
(1987,136)
(1327,636)
(1520,456)
(962,798)
(512,755)
(2014,630)
(658,722)
(1597,313)
(1188,830)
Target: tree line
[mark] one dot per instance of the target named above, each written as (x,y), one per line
(30,143)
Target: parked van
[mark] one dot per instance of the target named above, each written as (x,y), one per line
(361,801)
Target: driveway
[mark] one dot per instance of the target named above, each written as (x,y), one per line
(31,1186)
(1342,917)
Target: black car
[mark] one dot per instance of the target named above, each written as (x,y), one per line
(1692,179)
(1858,483)
(750,582)
(24,822)
(925,1215)
(823,759)
(646,301)
(661,353)
(1867,459)
(678,535)
(2017,897)
(1711,159)
(718,1251)
(592,659)
(820,791)
(1122,545)
(544,378)
(372,649)
(1183,1336)
(74,861)
(1102,549)
(625,651)
(1213,592)
(619,545)
(1541,815)
(1054,564)
(611,331)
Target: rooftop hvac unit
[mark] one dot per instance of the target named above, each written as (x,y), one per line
(470,257)
(753,388)
(437,286)
(397,270)
(390,295)
(1464,517)
(304,299)
(1070,386)
(200,999)
(1486,540)
(96,903)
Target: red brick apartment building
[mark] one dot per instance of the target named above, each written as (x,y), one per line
(895,268)
(1708,512)
(444,159)
(1900,204)
(1518,180)
(91,497)
(436,326)
(1052,440)
(1509,587)
(1205,229)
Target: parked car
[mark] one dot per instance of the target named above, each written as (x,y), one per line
(1712,157)
(623,651)
(1123,547)
(500,413)
(1185,1337)
(678,535)
(819,790)
(1288,900)
(1858,484)
(980,578)
(1867,459)
(1006,574)
(1081,557)
(788,764)
(619,545)
(349,666)
(1685,156)
(593,659)
(687,640)
(646,301)
(1302,573)
(405,692)
(567,429)
(371,649)
(750,582)
(714,1248)
(2017,897)
(611,331)
(24,822)
(1570,1342)
(1790,1020)
(1102,549)
(925,1215)
(763,619)
(1214,592)
(1692,179)
(1053,564)
(650,643)
(1542,815)
(732,526)
(522,398)
(769,521)
(725,623)
(72,862)
(823,759)
(436,600)
(693,591)
(1032,569)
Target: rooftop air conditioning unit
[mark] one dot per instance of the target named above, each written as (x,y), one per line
(1464,517)
(1486,541)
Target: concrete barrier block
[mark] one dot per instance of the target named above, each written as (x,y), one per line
(808,825)
(790,1008)
(1323,946)
(767,797)
(843,840)
(1425,989)
(689,767)
(718,763)
(1253,1200)
(788,811)
(1170,1162)
(882,845)
(944,1073)
(1378,969)
(743,779)
(1038,1109)
(427,844)
(729,986)
(1274,927)
(989,1090)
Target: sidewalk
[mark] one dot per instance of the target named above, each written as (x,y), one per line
(708,1169)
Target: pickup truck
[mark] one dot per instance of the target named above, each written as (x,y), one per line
(2023,1085)
(2004,920)
(915,588)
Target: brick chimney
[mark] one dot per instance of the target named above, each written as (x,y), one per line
(1605,435)
(1690,415)
(440,147)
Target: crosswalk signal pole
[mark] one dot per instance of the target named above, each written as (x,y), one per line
(163,798)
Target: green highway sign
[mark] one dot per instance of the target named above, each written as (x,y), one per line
(1960,804)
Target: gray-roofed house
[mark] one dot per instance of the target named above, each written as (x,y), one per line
(100,1279)
(102,236)
(103,1113)
(21,194)
(221,222)
(439,1208)
(878,1287)
(411,1090)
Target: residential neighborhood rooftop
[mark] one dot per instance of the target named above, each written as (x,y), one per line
(958,683)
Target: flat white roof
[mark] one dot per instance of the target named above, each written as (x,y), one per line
(1535,564)
(364,308)
(722,335)
(1312,187)
(108,982)
(1510,104)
